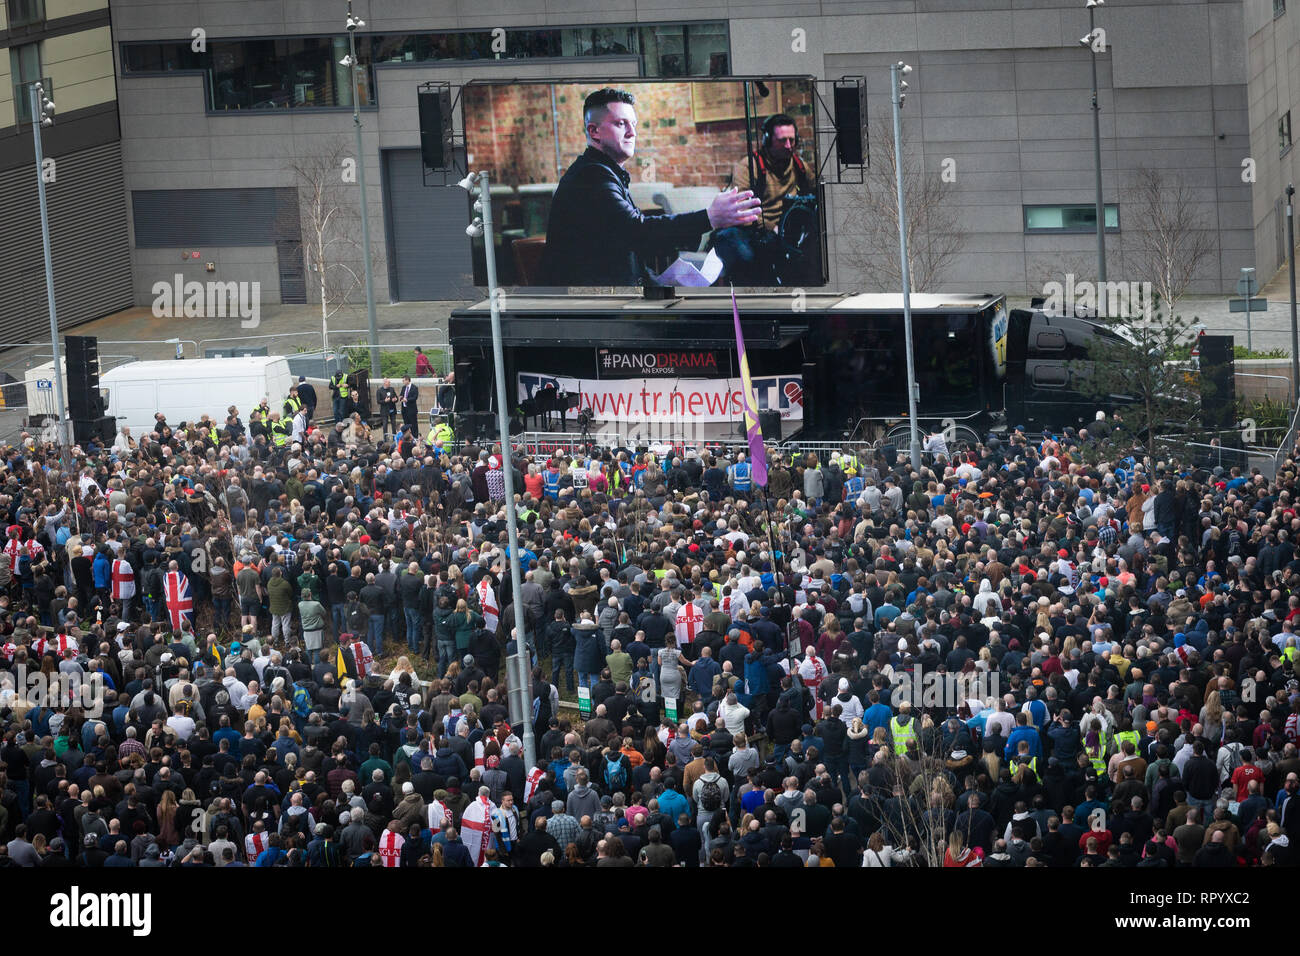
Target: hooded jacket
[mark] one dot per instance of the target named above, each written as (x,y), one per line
(583,801)
(589,648)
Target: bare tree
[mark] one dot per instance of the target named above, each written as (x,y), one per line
(1056,266)
(331,221)
(934,237)
(1167,237)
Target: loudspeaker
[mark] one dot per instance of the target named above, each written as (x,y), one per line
(435,128)
(1218,382)
(84,400)
(102,429)
(769,423)
(464,397)
(850,104)
(811,380)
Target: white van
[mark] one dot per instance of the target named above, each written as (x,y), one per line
(185,390)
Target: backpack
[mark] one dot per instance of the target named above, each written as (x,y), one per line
(615,772)
(301,701)
(710,796)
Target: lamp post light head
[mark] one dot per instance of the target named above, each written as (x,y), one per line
(355,22)
(1086,41)
(474,229)
(469,183)
(1096,3)
(347,60)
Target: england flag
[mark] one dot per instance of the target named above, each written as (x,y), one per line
(476,828)
(123,581)
(690,621)
(487,600)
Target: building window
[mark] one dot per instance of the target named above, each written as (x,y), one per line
(1279,8)
(1069,219)
(1284,132)
(25,13)
(287,72)
(25,69)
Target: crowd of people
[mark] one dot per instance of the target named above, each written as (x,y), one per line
(220,650)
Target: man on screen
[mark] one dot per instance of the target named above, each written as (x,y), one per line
(776,174)
(596,234)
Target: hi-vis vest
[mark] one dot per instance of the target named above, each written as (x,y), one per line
(1015,766)
(551,483)
(849,463)
(341,381)
(1098,761)
(902,735)
(280,432)
(1289,654)
(442,432)
(292,405)
(740,475)
(1130,735)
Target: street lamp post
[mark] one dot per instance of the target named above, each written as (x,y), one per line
(898,85)
(43,115)
(354,23)
(1089,42)
(477,185)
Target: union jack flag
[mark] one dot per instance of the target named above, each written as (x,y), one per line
(180,604)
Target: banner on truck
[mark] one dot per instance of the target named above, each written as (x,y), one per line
(672,399)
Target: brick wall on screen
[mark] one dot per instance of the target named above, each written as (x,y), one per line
(511,132)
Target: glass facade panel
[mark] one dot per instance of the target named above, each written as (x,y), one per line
(303,72)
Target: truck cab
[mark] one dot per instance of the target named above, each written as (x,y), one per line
(1045,356)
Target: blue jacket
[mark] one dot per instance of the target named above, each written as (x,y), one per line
(877,715)
(1024,733)
(702,674)
(1038,711)
(672,804)
(756,675)
(102,571)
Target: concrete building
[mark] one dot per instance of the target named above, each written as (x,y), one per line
(217,99)
(1273,43)
(67,46)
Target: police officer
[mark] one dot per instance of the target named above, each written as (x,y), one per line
(339,386)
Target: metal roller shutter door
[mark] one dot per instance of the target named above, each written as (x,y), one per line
(425,226)
(89,243)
